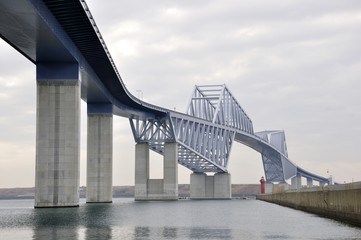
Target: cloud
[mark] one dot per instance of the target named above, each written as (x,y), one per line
(292,65)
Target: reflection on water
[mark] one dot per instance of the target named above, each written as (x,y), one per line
(201,233)
(55,223)
(181,233)
(65,223)
(126,219)
(53,233)
(97,222)
(99,233)
(170,232)
(61,217)
(141,232)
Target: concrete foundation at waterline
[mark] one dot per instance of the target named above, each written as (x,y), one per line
(57,137)
(341,202)
(156,189)
(99,158)
(217,186)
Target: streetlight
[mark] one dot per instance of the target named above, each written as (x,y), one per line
(140,94)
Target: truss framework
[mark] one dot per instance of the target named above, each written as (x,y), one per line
(202,146)
(216,104)
(273,167)
(206,133)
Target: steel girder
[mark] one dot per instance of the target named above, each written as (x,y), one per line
(314,177)
(273,167)
(155,132)
(216,104)
(210,142)
(276,138)
(277,167)
(204,136)
(202,146)
(206,133)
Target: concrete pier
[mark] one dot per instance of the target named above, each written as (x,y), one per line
(309,182)
(210,187)
(99,154)
(156,189)
(296,182)
(340,202)
(57,135)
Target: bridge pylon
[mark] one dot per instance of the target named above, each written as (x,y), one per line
(203,186)
(99,154)
(57,135)
(156,189)
(64,40)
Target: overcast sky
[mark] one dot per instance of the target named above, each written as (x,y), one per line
(292,65)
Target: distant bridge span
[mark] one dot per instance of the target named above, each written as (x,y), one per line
(205,135)
(72,60)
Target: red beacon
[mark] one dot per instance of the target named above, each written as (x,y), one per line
(263,185)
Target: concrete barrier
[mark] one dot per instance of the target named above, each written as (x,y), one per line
(339,202)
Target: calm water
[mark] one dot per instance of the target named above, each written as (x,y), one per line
(126,219)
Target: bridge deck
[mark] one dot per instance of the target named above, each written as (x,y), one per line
(65,31)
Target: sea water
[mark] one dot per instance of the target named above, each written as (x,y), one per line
(184,219)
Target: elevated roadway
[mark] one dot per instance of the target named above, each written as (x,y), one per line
(62,39)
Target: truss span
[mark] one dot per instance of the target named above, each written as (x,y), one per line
(65,31)
(216,104)
(205,135)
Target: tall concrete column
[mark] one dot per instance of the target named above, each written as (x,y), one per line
(222,186)
(309,182)
(99,153)
(198,186)
(156,189)
(57,135)
(171,170)
(296,182)
(141,171)
(210,187)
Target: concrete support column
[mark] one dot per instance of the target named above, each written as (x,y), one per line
(222,186)
(99,154)
(156,189)
(198,186)
(171,170)
(210,187)
(296,182)
(57,135)
(309,182)
(141,170)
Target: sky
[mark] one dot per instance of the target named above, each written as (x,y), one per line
(292,65)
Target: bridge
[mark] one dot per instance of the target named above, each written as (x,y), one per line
(73,62)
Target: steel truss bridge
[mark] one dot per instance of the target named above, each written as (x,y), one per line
(64,31)
(205,134)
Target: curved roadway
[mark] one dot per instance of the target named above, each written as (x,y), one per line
(65,31)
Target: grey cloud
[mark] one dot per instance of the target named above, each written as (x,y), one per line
(292,65)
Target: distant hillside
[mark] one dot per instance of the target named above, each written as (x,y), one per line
(11,193)
(238,190)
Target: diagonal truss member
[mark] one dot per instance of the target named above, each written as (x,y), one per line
(205,135)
